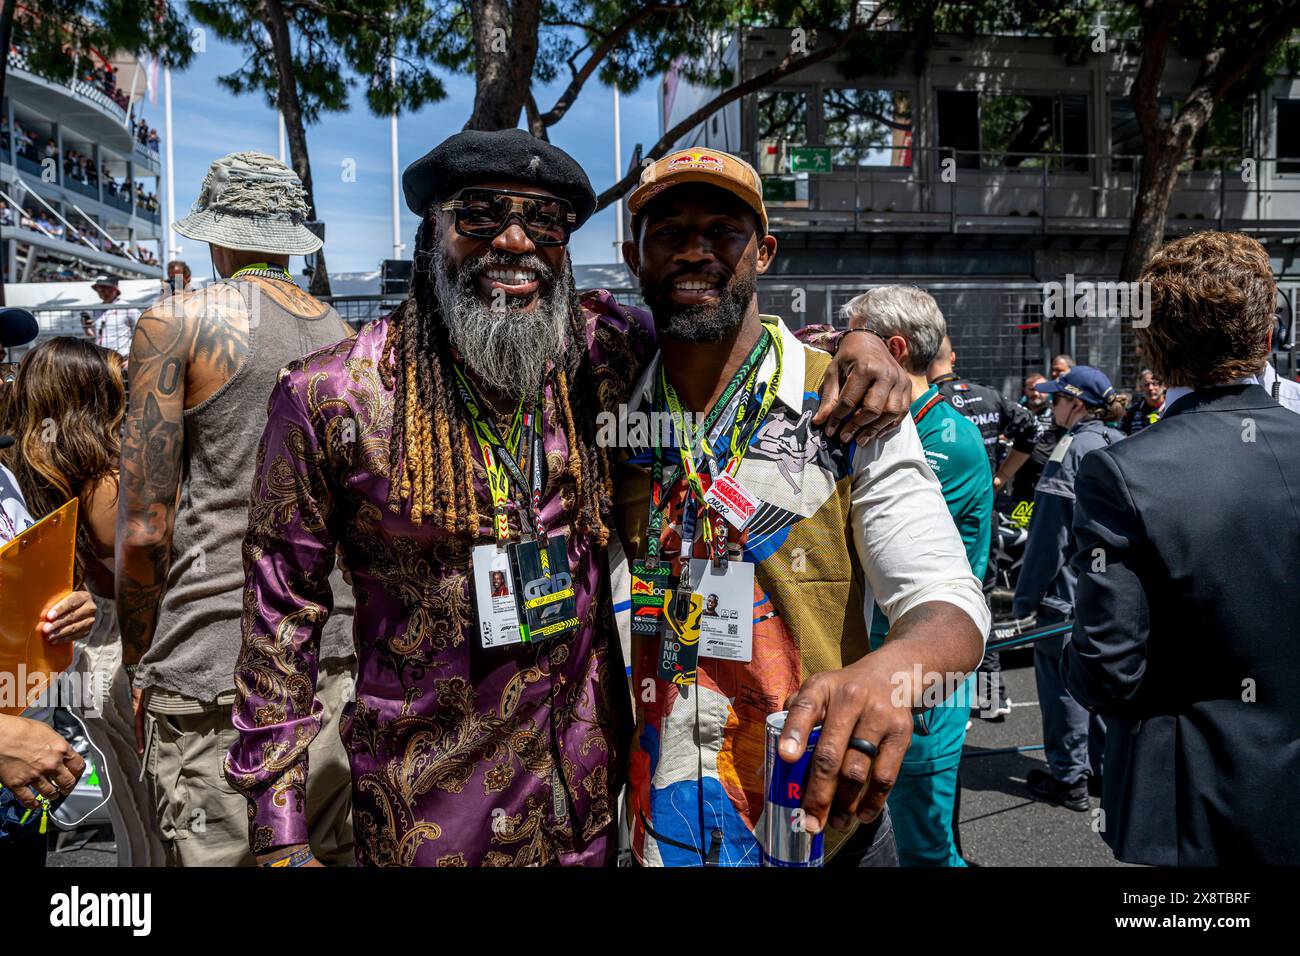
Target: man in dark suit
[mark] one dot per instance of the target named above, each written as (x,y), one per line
(1188,568)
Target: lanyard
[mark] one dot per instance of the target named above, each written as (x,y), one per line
(264,269)
(713,527)
(502,458)
(924,410)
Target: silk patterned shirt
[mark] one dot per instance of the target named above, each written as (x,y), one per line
(460,756)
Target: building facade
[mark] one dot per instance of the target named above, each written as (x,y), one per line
(997,168)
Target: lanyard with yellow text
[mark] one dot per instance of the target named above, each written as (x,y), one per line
(744,378)
(539,564)
(652,580)
(678,624)
(501,459)
(712,523)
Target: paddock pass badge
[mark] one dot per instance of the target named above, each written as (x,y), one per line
(679,638)
(729,498)
(649,585)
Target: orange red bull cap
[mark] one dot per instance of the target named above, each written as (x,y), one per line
(699,165)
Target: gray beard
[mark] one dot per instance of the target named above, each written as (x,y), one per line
(507,348)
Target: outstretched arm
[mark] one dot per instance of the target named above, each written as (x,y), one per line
(916,569)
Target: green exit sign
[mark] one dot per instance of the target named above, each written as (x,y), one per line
(810,159)
(778,189)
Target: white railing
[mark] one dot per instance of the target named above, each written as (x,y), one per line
(88,91)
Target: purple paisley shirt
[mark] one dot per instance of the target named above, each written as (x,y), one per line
(460,756)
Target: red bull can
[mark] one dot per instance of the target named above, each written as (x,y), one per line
(786,841)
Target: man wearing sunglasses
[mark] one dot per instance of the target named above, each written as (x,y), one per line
(448,449)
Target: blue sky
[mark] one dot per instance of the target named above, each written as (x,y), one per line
(208,122)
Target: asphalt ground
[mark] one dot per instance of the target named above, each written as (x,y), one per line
(1000,823)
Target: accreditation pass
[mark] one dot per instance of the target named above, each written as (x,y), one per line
(494,595)
(727,615)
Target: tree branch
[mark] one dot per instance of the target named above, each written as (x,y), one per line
(333,13)
(535,124)
(783,69)
(607,45)
(1158,20)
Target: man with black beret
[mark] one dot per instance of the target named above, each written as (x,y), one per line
(448,448)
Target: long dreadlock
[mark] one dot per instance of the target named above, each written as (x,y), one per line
(431,456)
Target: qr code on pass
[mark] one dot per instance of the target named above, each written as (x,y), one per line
(733,630)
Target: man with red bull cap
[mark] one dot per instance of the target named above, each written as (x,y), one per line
(769,543)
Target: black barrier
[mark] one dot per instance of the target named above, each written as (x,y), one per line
(998,751)
(1021,638)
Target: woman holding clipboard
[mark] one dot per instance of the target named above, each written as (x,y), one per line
(34,758)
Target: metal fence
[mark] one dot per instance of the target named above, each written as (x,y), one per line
(885,189)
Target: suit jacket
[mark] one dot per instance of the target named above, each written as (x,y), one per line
(1187,613)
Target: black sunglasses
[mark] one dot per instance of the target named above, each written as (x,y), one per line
(485,213)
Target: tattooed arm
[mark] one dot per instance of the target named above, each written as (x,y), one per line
(149,480)
(151,468)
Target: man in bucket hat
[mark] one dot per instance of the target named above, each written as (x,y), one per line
(202,365)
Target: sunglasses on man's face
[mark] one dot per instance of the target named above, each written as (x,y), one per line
(485,213)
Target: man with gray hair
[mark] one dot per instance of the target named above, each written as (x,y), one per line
(923,800)
(202,365)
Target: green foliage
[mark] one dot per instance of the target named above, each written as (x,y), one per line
(337,44)
(63,38)
(1204,26)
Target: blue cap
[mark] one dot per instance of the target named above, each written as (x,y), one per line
(1088,384)
(17,327)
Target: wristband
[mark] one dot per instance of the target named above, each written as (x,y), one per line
(294,859)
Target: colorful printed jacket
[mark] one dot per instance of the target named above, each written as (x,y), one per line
(460,756)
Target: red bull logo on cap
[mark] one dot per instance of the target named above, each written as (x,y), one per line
(696,159)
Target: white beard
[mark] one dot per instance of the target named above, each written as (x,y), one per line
(507,348)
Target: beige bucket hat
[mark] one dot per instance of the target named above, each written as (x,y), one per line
(252,202)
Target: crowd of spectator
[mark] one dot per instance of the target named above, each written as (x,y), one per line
(40,220)
(77,166)
(24,140)
(102,76)
(145,134)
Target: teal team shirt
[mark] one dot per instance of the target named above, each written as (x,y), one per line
(954,450)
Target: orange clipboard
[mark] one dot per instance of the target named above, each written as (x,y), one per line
(35,568)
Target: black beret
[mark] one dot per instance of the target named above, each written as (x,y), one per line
(477,156)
